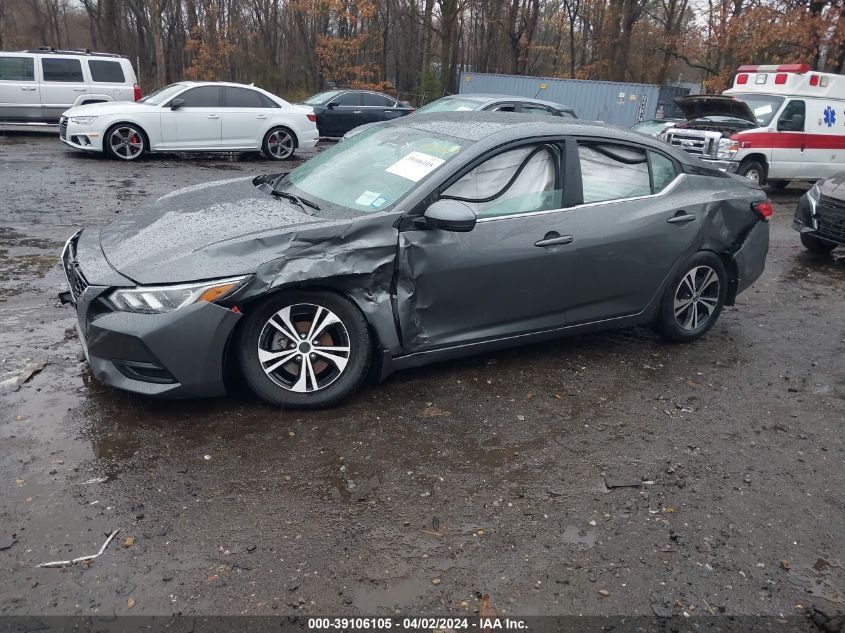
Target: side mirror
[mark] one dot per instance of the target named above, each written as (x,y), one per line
(332,106)
(176,104)
(450,215)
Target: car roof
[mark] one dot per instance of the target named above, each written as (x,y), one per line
(215,83)
(494,128)
(490,98)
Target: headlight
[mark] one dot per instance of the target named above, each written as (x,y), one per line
(159,299)
(815,192)
(83,120)
(727,148)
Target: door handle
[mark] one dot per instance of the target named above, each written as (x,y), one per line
(553,239)
(213,116)
(28,88)
(261,116)
(681,217)
(356,112)
(80,89)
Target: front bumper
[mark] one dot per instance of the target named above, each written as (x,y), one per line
(177,354)
(80,136)
(807,220)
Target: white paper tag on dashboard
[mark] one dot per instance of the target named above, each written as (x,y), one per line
(415,166)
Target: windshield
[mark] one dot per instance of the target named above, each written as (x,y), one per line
(373,170)
(322,97)
(451,104)
(162,94)
(763,107)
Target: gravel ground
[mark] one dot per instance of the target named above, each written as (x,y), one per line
(496,474)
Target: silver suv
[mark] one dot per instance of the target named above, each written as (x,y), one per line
(37,86)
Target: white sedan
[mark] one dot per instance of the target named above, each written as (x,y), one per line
(192,117)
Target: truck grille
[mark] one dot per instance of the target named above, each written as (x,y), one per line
(830,215)
(76,282)
(63,128)
(698,143)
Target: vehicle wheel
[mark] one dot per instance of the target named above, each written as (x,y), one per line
(125,141)
(752,170)
(694,299)
(304,349)
(816,245)
(279,144)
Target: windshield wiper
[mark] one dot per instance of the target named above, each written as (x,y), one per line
(302,202)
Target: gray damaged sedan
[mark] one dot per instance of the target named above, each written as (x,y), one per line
(421,240)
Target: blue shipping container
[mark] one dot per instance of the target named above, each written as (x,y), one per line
(621,104)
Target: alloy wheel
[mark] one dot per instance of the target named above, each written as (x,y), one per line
(304,348)
(280,144)
(753,175)
(126,142)
(696,298)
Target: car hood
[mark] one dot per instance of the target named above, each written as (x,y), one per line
(206,231)
(698,106)
(110,107)
(833,187)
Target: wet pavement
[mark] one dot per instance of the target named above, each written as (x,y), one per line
(487,475)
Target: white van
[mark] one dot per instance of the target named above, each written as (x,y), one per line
(37,86)
(777,123)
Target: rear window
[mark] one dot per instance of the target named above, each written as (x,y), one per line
(611,172)
(17,69)
(369,99)
(67,70)
(106,72)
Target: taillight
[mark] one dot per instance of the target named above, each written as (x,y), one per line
(312,117)
(137,92)
(764,209)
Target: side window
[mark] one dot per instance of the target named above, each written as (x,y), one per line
(530,108)
(612,172)
(348,99)
(202,97)
(62,70)
(517,181)
(17,69)
(662,171)
(793,116)
(106,72)
(377,100)
(244,98)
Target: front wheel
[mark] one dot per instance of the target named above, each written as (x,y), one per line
(125,141)
(694,299)
(753,170)
(816,245)
(278,144)
(304,349)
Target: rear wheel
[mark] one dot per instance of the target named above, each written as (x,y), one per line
(125,141)
(305,349)
(279,144)
(816,245)
(753,170)
(694,299)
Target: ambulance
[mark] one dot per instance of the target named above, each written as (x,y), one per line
(777,123)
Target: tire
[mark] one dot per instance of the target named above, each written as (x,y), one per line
(272,364)
(753,170)
(279,144)
(133,146)
(817,245)
(777,185)
(692,291)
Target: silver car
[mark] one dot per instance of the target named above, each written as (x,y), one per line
(424,239)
